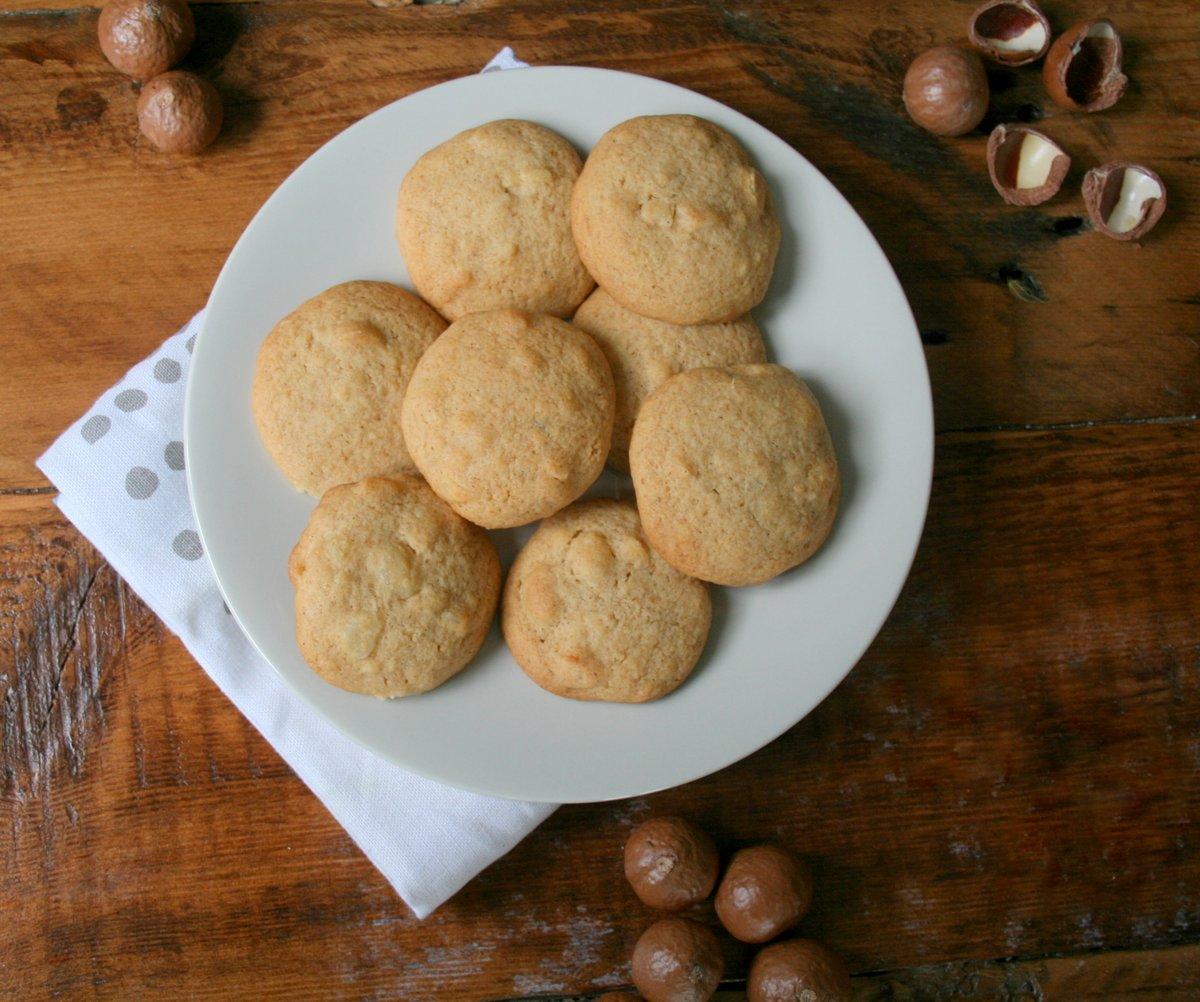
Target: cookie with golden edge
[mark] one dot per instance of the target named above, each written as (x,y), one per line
(592,612)
(735,473)
(329,381)
(509,416)
(674,221)
(483,222)
(645,353)
(394,591)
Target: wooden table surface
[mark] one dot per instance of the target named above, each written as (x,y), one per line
(1002,799)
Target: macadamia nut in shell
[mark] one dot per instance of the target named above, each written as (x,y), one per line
(179,112)
(670,863)
(798,969)
(765,891)
(677,960)
(143,38)
(946,90)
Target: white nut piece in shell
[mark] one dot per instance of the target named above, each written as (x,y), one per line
(1026,166)
(1124,200)
(1010,32)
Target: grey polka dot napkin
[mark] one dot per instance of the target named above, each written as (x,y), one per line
(120,471)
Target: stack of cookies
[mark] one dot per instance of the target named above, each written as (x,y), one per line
(417,436)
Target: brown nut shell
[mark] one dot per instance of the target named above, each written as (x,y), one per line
(1083,67)
(1027,167)
(144,38)
(765,891)
(798,969)
(1010,32)
(670,863)
(1124,200)
(946,90)
(677,960)
(179,112)
(619,997)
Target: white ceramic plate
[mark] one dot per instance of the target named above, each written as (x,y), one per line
(835,314)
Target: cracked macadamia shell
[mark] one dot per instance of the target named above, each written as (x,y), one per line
(798,969)
(1027,167)
(670,863)
(1124,200)
(1010,32)
(946,90)
(677,960)
(144,38)
(765,891)
(1082,71)
(179,112)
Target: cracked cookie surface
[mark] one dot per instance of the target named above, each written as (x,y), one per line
(509,416)
(329,381)
(674,221)
(394,591)
(645,353)
(483,222)
(735,473)
(592,612)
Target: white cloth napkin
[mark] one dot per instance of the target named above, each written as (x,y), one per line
(120,472)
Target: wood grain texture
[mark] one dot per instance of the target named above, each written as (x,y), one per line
(1029,318)
(1012,771)
(1002,801)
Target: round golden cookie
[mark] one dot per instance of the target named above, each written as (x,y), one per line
(592,612)
(329,381)
(483,222)
(645,353)
(394,592)
(509,416)
(734,471)
(674,221)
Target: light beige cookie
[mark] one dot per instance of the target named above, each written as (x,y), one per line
(394,592)
(674,221)
(509,416)
(592,612)
(734,471)
(483,222)
(645,353)
(330,378)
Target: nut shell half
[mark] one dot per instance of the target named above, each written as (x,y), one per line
(798,969)
(1124,200)
(143,38)
(1082,71)
(179,112)
(677,960)
(1010,32)
(670,863)
(1027,167)
(765,891)
(946,90)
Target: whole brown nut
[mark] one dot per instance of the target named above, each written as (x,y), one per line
(670,863)
(946,90)
(798,969)
(144,38)
(179,112)
(619,997)
(765,891)
(677,960)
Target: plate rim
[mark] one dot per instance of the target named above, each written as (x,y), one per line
(927,441)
